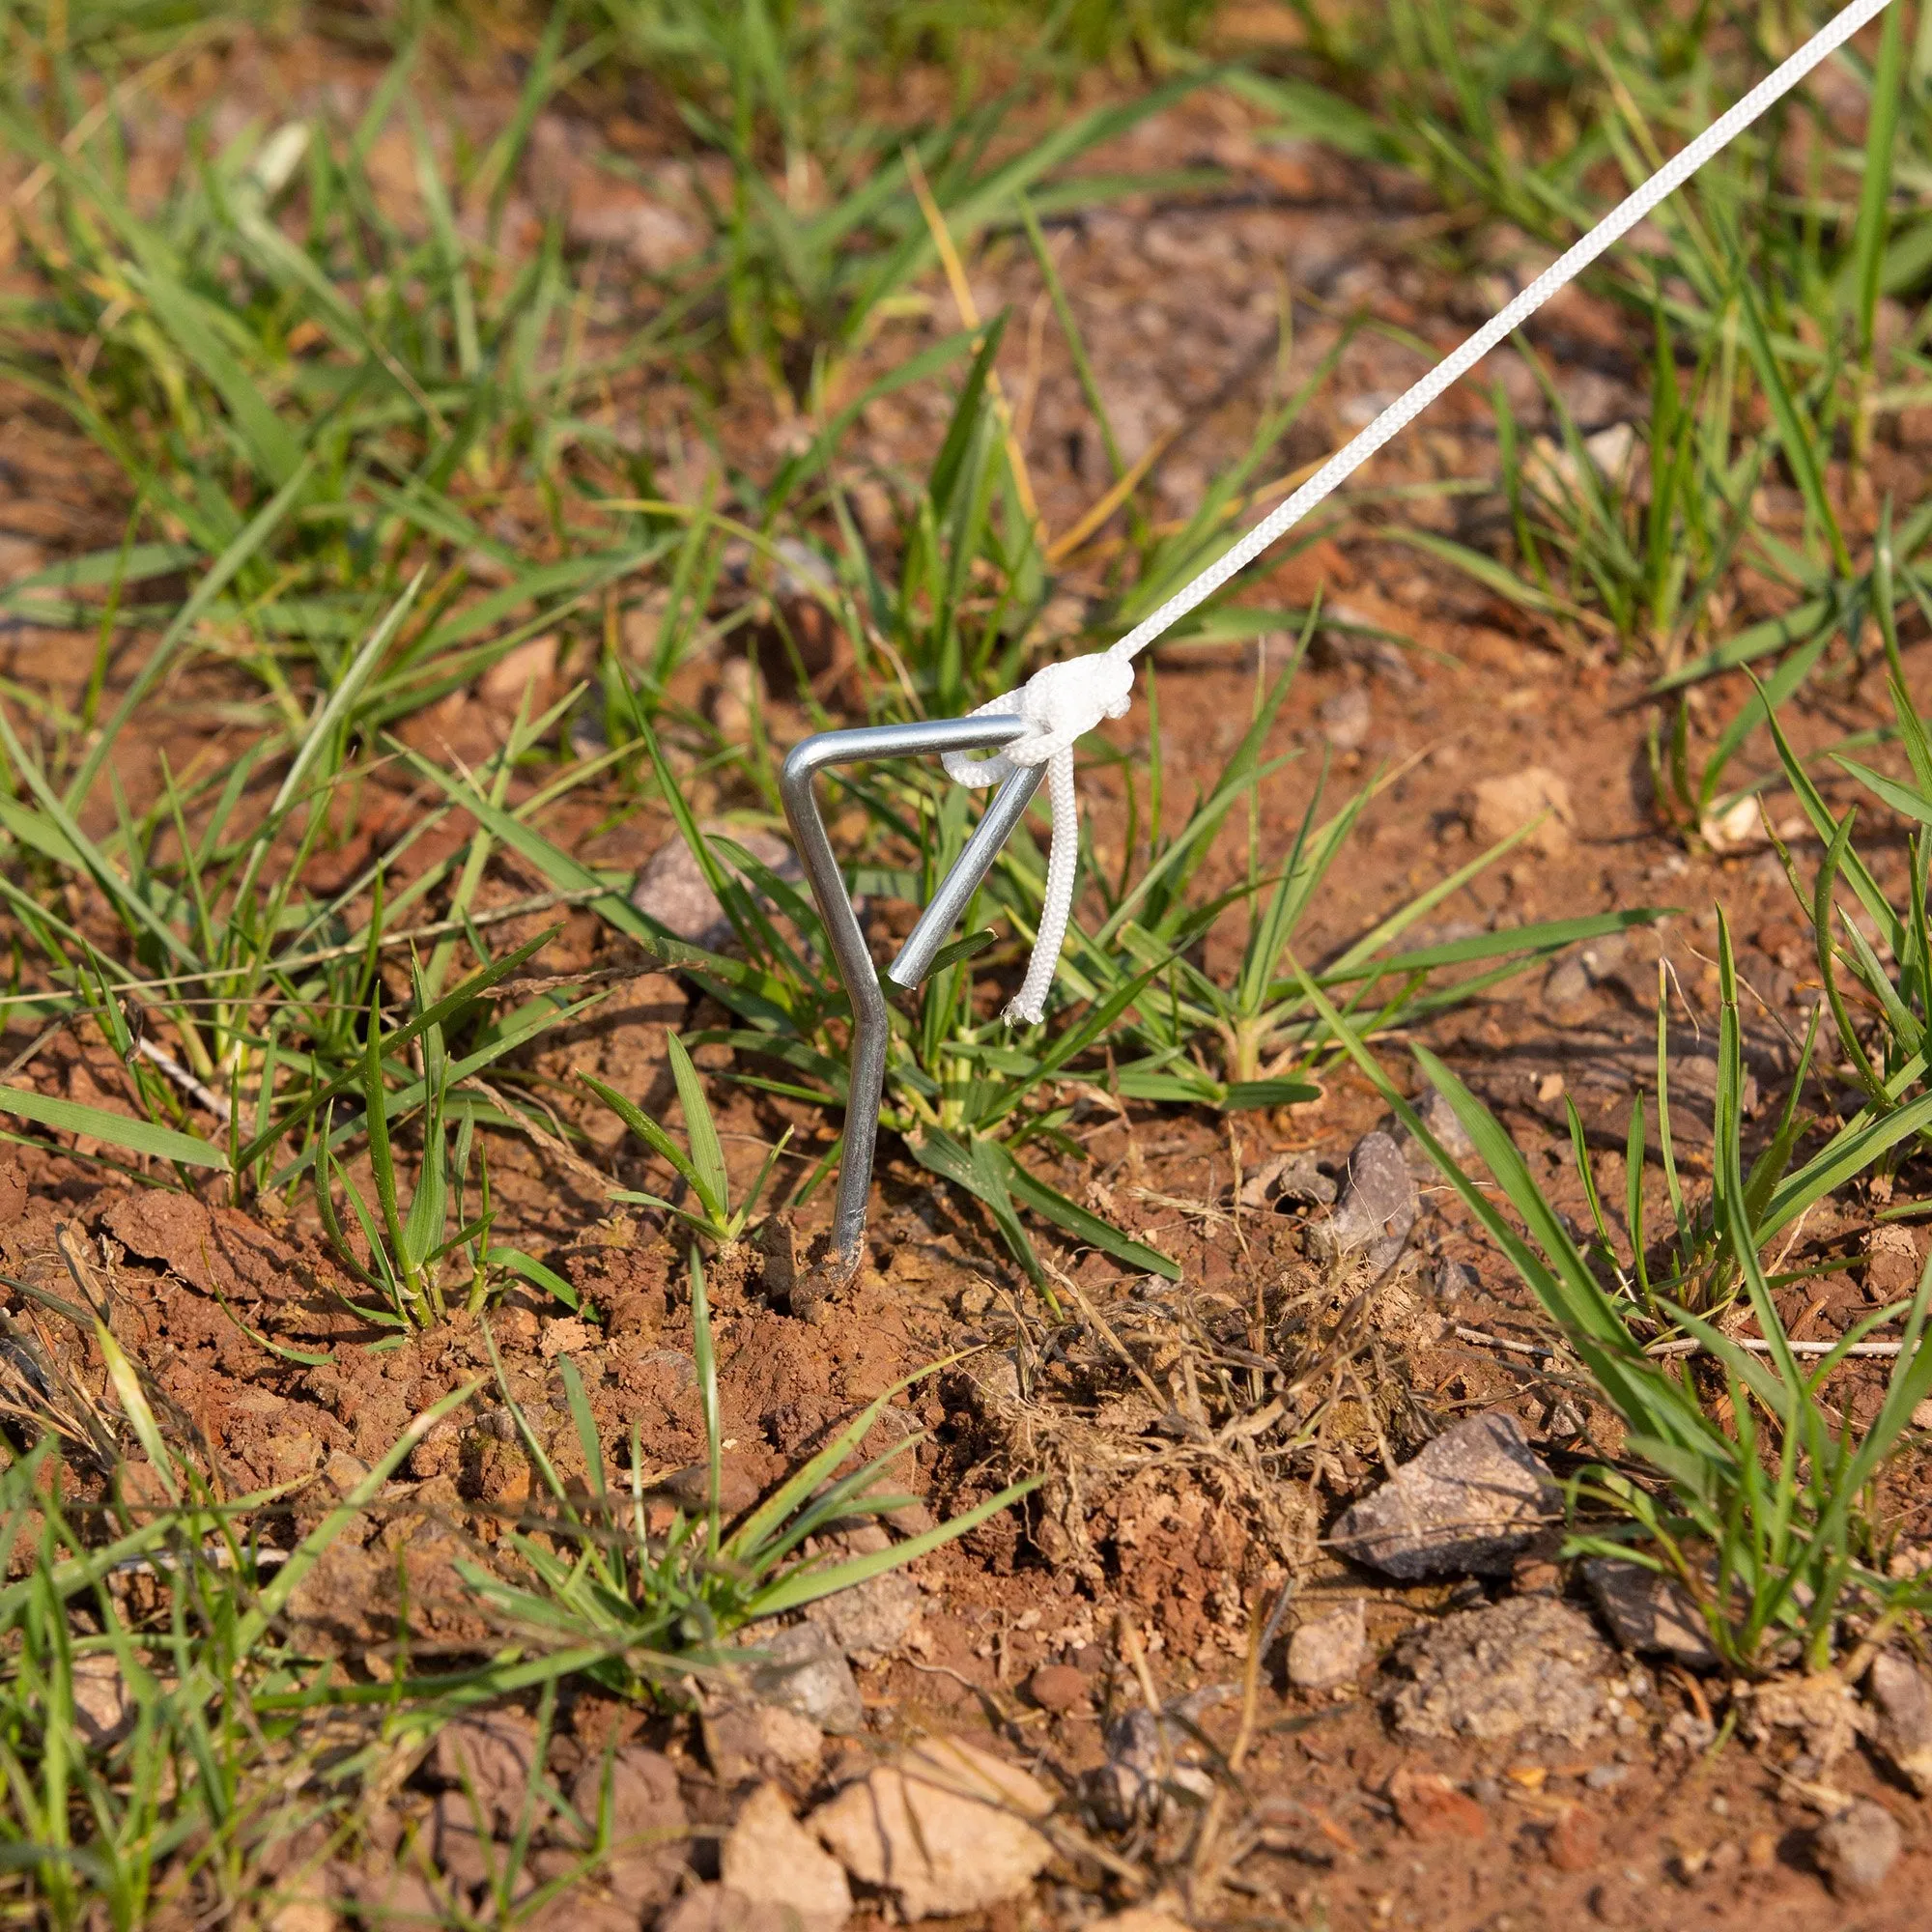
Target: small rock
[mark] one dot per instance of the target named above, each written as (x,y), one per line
(770,1859)
(1649,1614)
(1605,1777)
(805,1671)
(1430,1807)
(1891,1266)
(1470,1502)
(464,1854)
(1503,805)
(101,1707)
(1148,1759)
(872,1620)
(491,1761)
(633,1805)
(304,1906)
(743,1742)
(1454,1280)
(672,889)
(1138,1919)
(1921,1413)
(944,1827)
(717,1908)
(1376,1210)
(1329,1650)
(1526,1665)
(1900,1696)
(529,665)
(1447,1129)
(1059,1688)
(1736,830)
(1345,719)
(1566,986)
(1857,1849)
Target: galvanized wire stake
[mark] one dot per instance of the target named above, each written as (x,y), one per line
(870,1026)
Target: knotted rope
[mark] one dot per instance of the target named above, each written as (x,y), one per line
(1064,701)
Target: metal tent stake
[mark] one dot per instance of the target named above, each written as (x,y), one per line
(870,1027)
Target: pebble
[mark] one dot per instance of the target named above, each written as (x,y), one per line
(1605,1777)
(770,1859)
(1898,1692)
(872,1620)
(805,1671)
(1501,805)
(1649,1614)
(1328,1650)
(1059,1688)
(1471,1501)
(1345,719)
(1857,1849)
(1440,1119)
(1377,1211)
(672,889)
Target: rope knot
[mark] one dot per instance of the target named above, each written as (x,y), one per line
(1064,701)
(1061,703)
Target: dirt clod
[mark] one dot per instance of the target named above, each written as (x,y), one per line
(1501,805)
(1059,1688)
(944,1827)
(1858,1848)
(769,1857)
(637,1798)
(1526,1665)
(1472,1499)
(489,1762)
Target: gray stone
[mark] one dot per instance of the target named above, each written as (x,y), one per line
(1649,1614)
(672,889)
(873,1619)
(1524,1665)
(1439,1117)
(1857,1849)
(1567,985)
(1328,1650)
(803,1669)
(1470,1502)
(1898,1692)
(1377,1211)
(1345,719)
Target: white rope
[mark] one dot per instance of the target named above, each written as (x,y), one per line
(1062,701)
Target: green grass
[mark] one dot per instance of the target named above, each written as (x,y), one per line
(365,460)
